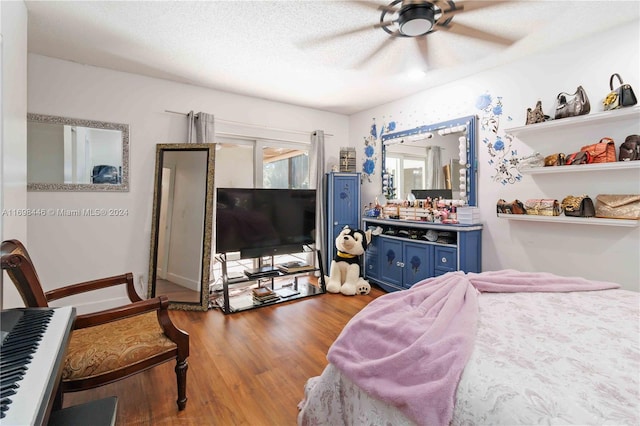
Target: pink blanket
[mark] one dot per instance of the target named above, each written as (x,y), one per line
(409,348)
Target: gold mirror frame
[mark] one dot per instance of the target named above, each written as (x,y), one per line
(207,234)
(81,187)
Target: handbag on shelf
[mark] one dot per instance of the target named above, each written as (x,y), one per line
(601,152)
(618,206)
(542,207)
(557,159)
(530,161)
(580,157)
(514,207)
(630,148)
(536,115)
(572,105)
(621,96)
(578,206)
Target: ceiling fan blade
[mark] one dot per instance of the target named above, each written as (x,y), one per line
(384,24)
(329,37)
(375,6)
(468,6)
(465,30)
(375,52)
(423,47)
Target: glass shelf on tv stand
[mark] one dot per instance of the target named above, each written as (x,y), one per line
(237,294)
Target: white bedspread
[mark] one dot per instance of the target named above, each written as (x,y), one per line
(539,358)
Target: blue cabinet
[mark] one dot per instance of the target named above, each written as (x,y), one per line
(401,256)
(417,263)
(390,261)
(372,268)
(343,207)
(403,263)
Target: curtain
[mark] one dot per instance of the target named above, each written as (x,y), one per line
(435,177)
(205,129)
(316,180)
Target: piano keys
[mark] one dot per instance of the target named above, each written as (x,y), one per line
(34,344)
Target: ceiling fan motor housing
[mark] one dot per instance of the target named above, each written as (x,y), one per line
(416,18)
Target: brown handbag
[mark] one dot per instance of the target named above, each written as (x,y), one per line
(618,206)
(580,206)
(630,149)
(536,115)
(514,207)
(542,207)
(554,160)
(601,152)
(580,157)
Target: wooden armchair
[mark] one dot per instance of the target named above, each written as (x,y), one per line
(108,345)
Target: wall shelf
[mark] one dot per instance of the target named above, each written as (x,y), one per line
(618,165)
(606,117)
(574,220)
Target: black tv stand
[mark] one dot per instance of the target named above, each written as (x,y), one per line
(262,272)
(287,285)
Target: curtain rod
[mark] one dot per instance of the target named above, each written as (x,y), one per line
(251,125)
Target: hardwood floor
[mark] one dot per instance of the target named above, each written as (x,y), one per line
(247,368)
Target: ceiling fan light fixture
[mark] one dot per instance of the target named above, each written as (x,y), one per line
(416,19)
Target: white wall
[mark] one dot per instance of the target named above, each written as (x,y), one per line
(595,252)
(13,132)
(71,249)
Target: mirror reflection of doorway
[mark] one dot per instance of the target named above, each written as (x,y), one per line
(180,225)
(166,210)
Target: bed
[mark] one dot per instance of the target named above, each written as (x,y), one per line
(499,348)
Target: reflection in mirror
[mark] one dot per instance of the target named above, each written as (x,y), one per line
(68,154)
(181,233)
(434,159)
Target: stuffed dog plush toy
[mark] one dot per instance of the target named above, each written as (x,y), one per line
(344,275)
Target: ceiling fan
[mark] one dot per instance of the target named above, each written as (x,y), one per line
(418,19)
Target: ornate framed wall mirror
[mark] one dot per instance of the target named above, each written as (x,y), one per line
(69,154)
(181,225)
(435,160)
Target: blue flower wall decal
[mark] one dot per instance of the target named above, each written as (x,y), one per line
(369,164)
(391,255)
(501,155)
(415,264)
(369,167)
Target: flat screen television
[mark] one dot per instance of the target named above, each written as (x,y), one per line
(262,222)
(423,194)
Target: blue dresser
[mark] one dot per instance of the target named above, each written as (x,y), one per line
(404,255)
(343,207)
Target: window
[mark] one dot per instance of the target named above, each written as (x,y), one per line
(285,168)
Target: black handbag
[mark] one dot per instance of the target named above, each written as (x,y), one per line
(622,96)
(580,206)
(572,105)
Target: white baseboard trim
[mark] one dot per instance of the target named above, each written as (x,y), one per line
(183,281)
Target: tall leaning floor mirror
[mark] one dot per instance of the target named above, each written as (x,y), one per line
(181,226)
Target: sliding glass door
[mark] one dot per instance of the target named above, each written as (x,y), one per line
(246,163)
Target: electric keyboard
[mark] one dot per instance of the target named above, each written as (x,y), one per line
(34,343)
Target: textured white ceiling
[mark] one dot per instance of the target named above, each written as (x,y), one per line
(286,50)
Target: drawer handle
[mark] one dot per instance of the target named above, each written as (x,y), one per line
(444,260)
